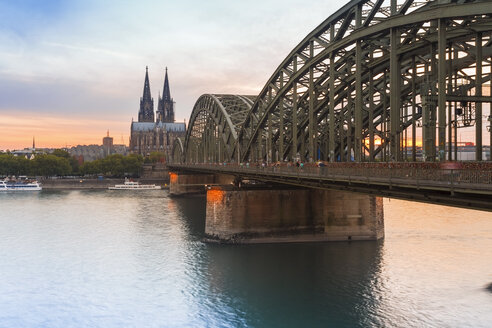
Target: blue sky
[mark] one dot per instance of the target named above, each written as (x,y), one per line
(82,63)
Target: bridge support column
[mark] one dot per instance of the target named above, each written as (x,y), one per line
(183,184)
(291,215)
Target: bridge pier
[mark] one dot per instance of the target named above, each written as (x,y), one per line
(181,184)
(291,215)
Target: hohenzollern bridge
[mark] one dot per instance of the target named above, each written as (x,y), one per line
(370,103)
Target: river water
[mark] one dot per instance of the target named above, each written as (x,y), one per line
(120,259)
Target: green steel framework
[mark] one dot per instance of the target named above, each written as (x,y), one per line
(213,127)
(364,85)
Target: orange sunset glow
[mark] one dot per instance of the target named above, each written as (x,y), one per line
(407,143)
(17,131)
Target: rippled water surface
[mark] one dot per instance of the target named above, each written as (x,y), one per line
(118,259)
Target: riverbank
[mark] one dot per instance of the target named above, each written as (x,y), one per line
(84,183)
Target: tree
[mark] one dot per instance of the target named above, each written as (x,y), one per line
(133,164)
(112,165)
(157,156)
(91,168)
(74,163)
(61,153)
(23,166)
(115,165)
(13,165)
(50,165)
(7,164)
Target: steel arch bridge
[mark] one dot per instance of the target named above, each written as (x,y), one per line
(370,83)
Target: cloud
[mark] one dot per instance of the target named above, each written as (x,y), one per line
(63,97)
(86,59)
(93,50)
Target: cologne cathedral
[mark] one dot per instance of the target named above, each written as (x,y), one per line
(155,132)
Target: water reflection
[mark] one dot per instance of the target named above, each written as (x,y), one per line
(280,285)
(305,281)
(192,211)
(103,259)
(398,282)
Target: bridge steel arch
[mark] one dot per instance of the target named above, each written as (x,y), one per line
(177,151)
(367,84)
(213,128)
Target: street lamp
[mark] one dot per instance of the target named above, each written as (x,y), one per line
(238,152)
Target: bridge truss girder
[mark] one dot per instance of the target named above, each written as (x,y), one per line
(368,77)
(212,131)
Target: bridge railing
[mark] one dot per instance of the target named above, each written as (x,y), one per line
(411,175)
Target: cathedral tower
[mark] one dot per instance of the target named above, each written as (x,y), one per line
(146,112)
(147,135)
(165,106)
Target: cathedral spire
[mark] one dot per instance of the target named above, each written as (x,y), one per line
(166,93)
(146,113)
(165,106)
(146,90)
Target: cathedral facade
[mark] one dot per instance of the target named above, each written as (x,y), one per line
(155,132)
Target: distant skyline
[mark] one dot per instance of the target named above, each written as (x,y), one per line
(71,70)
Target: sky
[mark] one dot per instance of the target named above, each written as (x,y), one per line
(71,70)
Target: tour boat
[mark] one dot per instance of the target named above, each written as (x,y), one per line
(20,186)
(134,185)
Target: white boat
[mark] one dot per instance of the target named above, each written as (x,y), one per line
(134,185)
(20,186)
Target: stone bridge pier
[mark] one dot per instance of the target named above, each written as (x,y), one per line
(266,214)
(291,215)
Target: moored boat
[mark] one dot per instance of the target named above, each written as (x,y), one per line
(134,185)
(20,186)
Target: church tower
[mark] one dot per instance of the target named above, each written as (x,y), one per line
(146,112)
(165,106)
(149,135)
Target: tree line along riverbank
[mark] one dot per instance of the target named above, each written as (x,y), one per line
(61,163)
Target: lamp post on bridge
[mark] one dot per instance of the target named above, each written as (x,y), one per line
(238,153)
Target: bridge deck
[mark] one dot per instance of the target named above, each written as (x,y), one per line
(456,187)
